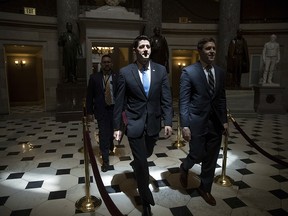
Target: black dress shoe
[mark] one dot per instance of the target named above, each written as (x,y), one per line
(146,211)
(105,167)
(207,197)
(183,176)
(132,164)
(111,148)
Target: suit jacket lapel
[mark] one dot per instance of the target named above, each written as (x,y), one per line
(135,73)
(153,77)
(203,76)
(217,80)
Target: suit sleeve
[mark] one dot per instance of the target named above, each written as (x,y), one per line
(119,101)
(184,98)
(166,101)
(221,104)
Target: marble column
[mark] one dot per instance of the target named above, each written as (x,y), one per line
(229,20)
(152,13)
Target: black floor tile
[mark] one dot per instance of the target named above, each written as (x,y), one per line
(44,164)
(24,212)
(113,189)
(250,152)
(161,155)
(244,171)
(3,200)
(247,161)
(27,159)
(124,158)
(13,153)
(67,156)
(280,194)
(81,180)
(278,178)
(34,184)
(234,202)
(63,171)
(50,151)
(241,185)
(278,212)
(57,195)
(15,175)
(181,211)
(3,167)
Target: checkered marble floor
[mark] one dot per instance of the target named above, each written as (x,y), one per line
(42,171)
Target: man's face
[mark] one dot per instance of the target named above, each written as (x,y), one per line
(207,54)
(273,38)
(143,51)
(106,64)
(69,27)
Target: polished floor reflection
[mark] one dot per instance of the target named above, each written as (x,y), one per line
(42,171)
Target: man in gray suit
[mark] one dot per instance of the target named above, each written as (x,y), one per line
(143,93)
(203,116)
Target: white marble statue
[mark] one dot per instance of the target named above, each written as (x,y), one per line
(271,57)
(114,2)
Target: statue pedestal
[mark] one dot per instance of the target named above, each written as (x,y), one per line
(70,101)
(268,99)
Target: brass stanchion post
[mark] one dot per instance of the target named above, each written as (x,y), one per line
(178,143)
(223,179)
(87,203)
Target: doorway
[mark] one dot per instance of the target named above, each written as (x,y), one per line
(181,58)
(24,70)
(120,53)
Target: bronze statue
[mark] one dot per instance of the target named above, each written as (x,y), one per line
(71,47)
(159,49)
(238,59)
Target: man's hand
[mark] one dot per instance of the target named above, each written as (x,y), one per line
(168,131)
(118,135)
(186,134)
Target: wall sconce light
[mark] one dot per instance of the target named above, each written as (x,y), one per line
(22,62)
(102,50)
(181,65)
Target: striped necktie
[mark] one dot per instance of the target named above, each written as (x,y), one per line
(211,81)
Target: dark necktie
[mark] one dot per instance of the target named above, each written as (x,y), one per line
(145,80)
(211,81)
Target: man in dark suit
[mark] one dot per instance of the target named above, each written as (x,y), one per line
(100,102)
(203,116)
(145,105)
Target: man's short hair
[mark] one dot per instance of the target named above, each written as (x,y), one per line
(203,41)
(105,56)
(139,38)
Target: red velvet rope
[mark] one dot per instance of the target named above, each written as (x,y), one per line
(112,208)
(266,154)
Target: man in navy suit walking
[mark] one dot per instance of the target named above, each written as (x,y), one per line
(143,92)
(203,116)
(101,91)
